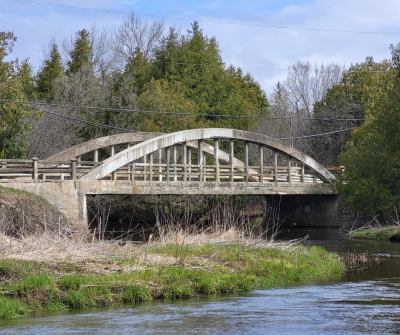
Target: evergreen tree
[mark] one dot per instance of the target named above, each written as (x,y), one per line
(14,123)
(195,62)
(47,74)
(82,52)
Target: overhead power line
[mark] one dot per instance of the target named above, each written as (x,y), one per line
(315,135)
(84,121)
(213,21)
(177,113)
(129,130)
(134,131)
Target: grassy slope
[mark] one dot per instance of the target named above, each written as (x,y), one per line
(376,233)
(199,270)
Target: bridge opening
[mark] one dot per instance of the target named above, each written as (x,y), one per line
(135,217)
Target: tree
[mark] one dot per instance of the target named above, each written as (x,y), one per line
(134,35)
(82,52)
(194,60)
(47,74)
(349,99)
(14,123)
(102,59)
(165,97)
(371,180)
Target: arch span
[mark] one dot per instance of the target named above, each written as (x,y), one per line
(99,143)
(126,138)
(161,142)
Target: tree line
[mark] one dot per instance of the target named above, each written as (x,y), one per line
(142,66)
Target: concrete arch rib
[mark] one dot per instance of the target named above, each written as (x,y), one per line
(99,143)
(133,153)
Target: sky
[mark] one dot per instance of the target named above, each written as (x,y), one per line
(245,43)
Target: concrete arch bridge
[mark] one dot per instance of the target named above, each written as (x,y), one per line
(199,161)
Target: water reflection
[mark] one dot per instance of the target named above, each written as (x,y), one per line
(361,302)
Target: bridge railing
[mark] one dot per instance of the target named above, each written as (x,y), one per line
(154,172)
(44,170)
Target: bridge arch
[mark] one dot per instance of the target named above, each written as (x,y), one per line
(154,144)
(99,143)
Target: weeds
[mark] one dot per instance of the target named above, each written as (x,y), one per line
(377,233)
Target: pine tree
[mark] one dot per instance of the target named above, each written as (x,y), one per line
(50,70)
(82,52)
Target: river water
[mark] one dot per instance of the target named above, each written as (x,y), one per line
(360,302)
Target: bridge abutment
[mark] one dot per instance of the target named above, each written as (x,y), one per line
(64,195)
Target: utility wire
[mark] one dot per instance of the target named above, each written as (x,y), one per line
(134,131)
(129,130)
(176,113)
(214,21)
(315,135)
(84,121)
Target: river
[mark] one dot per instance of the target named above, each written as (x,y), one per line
(360,302)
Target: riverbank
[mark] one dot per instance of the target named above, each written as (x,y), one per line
(389,233)
(66,274)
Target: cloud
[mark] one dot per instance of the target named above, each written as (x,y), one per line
(240,45)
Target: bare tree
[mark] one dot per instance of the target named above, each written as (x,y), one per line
(135,34)
(294,100)
(53,134)
(102,59)
(307,83)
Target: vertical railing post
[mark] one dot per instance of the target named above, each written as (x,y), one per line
(73,168)
(246,161)
(133,168)
(261,162)
(159,160)
(151,167)
(289,170)
(144,167)
(216,160)
(168,161)
(302,174)
(189,162)
(184,161)
(174,162)
(275,164)
(200,159)
(35,175)
(96,156)
(130,165)
(112,153)
(231,168)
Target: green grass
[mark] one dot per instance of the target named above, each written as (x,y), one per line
(11,308)
(376,233)
(13,191)
(205,270)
